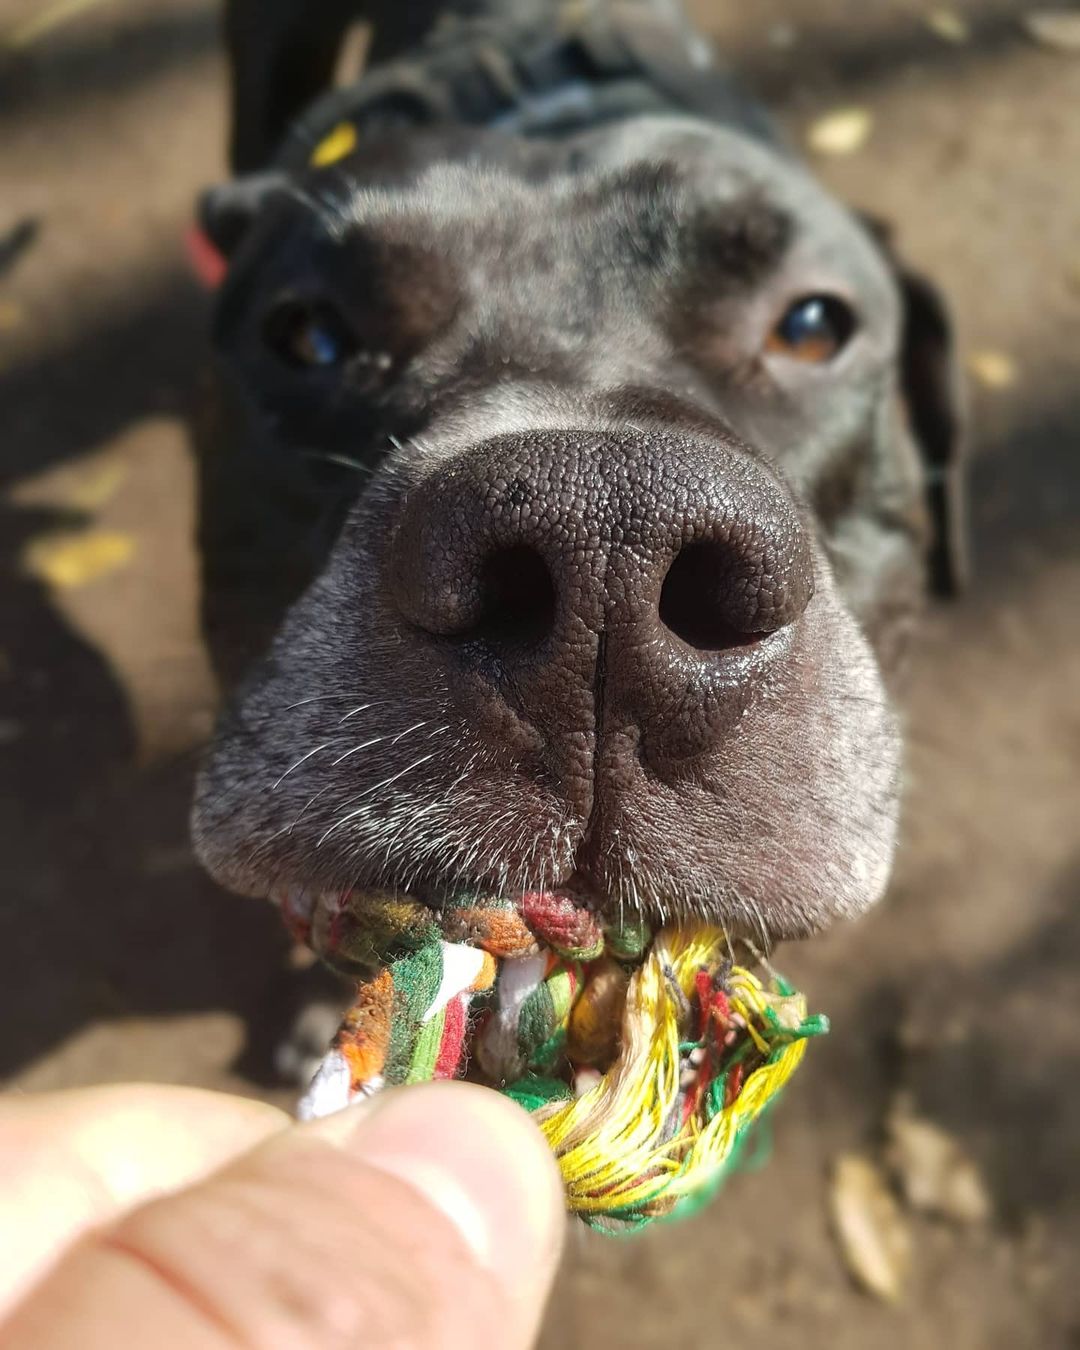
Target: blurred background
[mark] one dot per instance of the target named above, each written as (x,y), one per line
(942,1116)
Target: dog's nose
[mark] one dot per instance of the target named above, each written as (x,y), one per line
(645,562)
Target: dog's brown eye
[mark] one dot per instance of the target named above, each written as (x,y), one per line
(308,334)
(814,329)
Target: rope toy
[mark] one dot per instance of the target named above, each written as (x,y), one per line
(644,1058)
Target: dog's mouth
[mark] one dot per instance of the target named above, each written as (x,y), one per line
(745,842)
(351,930)
(325,919)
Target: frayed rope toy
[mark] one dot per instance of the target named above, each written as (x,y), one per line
(644,1059)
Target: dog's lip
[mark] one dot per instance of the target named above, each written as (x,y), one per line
(303,900)
(309,911)
(298,899)
(313,915)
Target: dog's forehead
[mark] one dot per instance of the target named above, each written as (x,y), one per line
(670,167)
(723,164)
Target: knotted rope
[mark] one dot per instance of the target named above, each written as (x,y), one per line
(644,1059)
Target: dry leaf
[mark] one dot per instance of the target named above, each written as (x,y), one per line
(11,316)
(840,132)
(934,1173)
(65,559)
(86,487)
(870,1228)
(47,18)
(948,25)
(1057,28)
(94,487)
(994,370)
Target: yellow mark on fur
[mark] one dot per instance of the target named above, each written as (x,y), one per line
(335,145)
(64,559)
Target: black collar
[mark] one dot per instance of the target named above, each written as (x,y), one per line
(576,69)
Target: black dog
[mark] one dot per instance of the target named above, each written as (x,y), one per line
(637,453)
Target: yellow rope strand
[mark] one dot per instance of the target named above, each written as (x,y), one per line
(615,1145)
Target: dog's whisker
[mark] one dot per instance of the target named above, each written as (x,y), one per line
(394,740)
(376,703)
(288,829)
(343,461)
(321,698)
(302,760)
(408,730)
(759,919)
(364,745)
(368,791)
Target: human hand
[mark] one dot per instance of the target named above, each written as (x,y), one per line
(427,1217)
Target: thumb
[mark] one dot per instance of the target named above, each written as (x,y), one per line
(428,1217)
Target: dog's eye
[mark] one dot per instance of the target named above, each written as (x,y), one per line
(308,334)
(814,329)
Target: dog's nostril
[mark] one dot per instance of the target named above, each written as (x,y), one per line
(708,600)
(517,597)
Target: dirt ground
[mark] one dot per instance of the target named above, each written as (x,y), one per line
(118,959)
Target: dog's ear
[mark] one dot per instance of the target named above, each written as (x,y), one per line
(933,392)
(226,212)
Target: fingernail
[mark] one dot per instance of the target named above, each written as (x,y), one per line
(477,1157)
